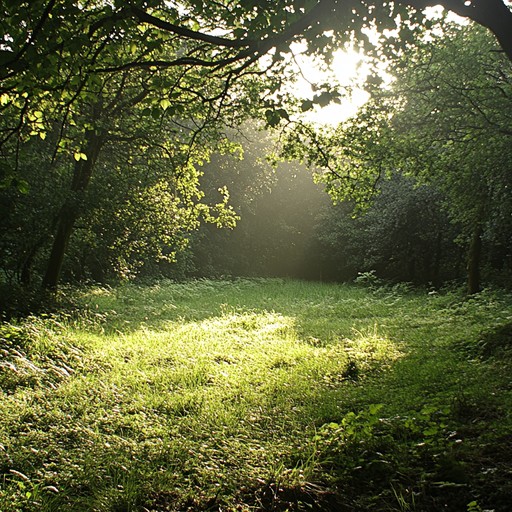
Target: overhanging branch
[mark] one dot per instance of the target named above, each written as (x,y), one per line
(187,33)
(494,15)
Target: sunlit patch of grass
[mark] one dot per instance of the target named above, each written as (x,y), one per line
(372,350)
(177,396)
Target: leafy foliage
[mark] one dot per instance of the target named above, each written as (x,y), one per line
(166,79)
(441,122)
(404,236)
(289,227)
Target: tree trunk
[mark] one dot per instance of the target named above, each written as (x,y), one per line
(436,270)
(71,209)
(474,259)
(65,223)
(26,268)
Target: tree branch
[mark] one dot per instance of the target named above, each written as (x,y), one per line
(495,15)
(33,35)
(143,16)
(254,48)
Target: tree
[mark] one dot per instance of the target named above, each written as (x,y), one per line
(403,236)
(52,48)
(445,119)
(128,108)
(138,212)
(458,117)
(93,110)
(124,131)
(27,210)
(196,60)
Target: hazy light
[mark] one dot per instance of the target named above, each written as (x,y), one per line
(346,73)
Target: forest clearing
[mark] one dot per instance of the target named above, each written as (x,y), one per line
(255,255)
(263,394)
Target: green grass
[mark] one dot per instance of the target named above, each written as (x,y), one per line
(259,395)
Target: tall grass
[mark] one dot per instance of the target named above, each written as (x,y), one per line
(256,395)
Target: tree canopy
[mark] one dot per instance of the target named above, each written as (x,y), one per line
(160,82)
(190,50)
(445,120)
(191,59)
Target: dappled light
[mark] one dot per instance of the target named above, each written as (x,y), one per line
(257,395)
(255,256)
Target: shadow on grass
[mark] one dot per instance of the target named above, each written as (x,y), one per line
(267,396)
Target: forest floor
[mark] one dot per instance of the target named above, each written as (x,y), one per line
(259,395)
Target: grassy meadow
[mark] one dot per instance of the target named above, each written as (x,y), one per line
(256,395)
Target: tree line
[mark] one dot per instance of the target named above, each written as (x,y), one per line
(111,111)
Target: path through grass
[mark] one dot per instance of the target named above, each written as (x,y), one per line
(258,395)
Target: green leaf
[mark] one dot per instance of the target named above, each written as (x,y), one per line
(306,105)
(22,186)
(79,156)
(325,98)
(274,116)
(375,408)
(272,119)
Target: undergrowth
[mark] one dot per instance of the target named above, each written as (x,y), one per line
(255,395)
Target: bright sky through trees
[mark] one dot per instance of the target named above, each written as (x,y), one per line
(346,70)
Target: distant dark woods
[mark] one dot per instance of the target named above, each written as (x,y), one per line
(290,228)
